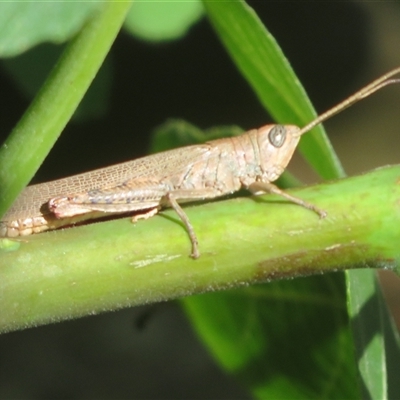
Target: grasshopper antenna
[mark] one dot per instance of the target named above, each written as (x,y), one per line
(376,85)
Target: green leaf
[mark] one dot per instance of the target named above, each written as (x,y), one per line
(282,340)
(262,62)
(23,25)
(163,20)
(376,337)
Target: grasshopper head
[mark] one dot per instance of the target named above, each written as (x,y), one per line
(277,144)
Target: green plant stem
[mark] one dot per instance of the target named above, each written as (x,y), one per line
(106,266)
(35,134)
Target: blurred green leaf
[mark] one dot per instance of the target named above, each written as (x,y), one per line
(176,133)
(25,24)
(163,20)
(281,340)
(376,337)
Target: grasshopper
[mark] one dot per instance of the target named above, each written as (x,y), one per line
(252,161)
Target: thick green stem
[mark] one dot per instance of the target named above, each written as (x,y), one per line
(105,266)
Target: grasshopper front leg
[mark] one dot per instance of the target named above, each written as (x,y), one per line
(268,187)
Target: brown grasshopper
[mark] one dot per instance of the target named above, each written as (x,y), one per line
(252,160)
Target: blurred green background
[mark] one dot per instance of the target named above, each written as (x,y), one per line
(151,352)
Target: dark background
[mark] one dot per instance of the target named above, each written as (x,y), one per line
(335,48)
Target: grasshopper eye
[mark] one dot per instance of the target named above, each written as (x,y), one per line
(277,135)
